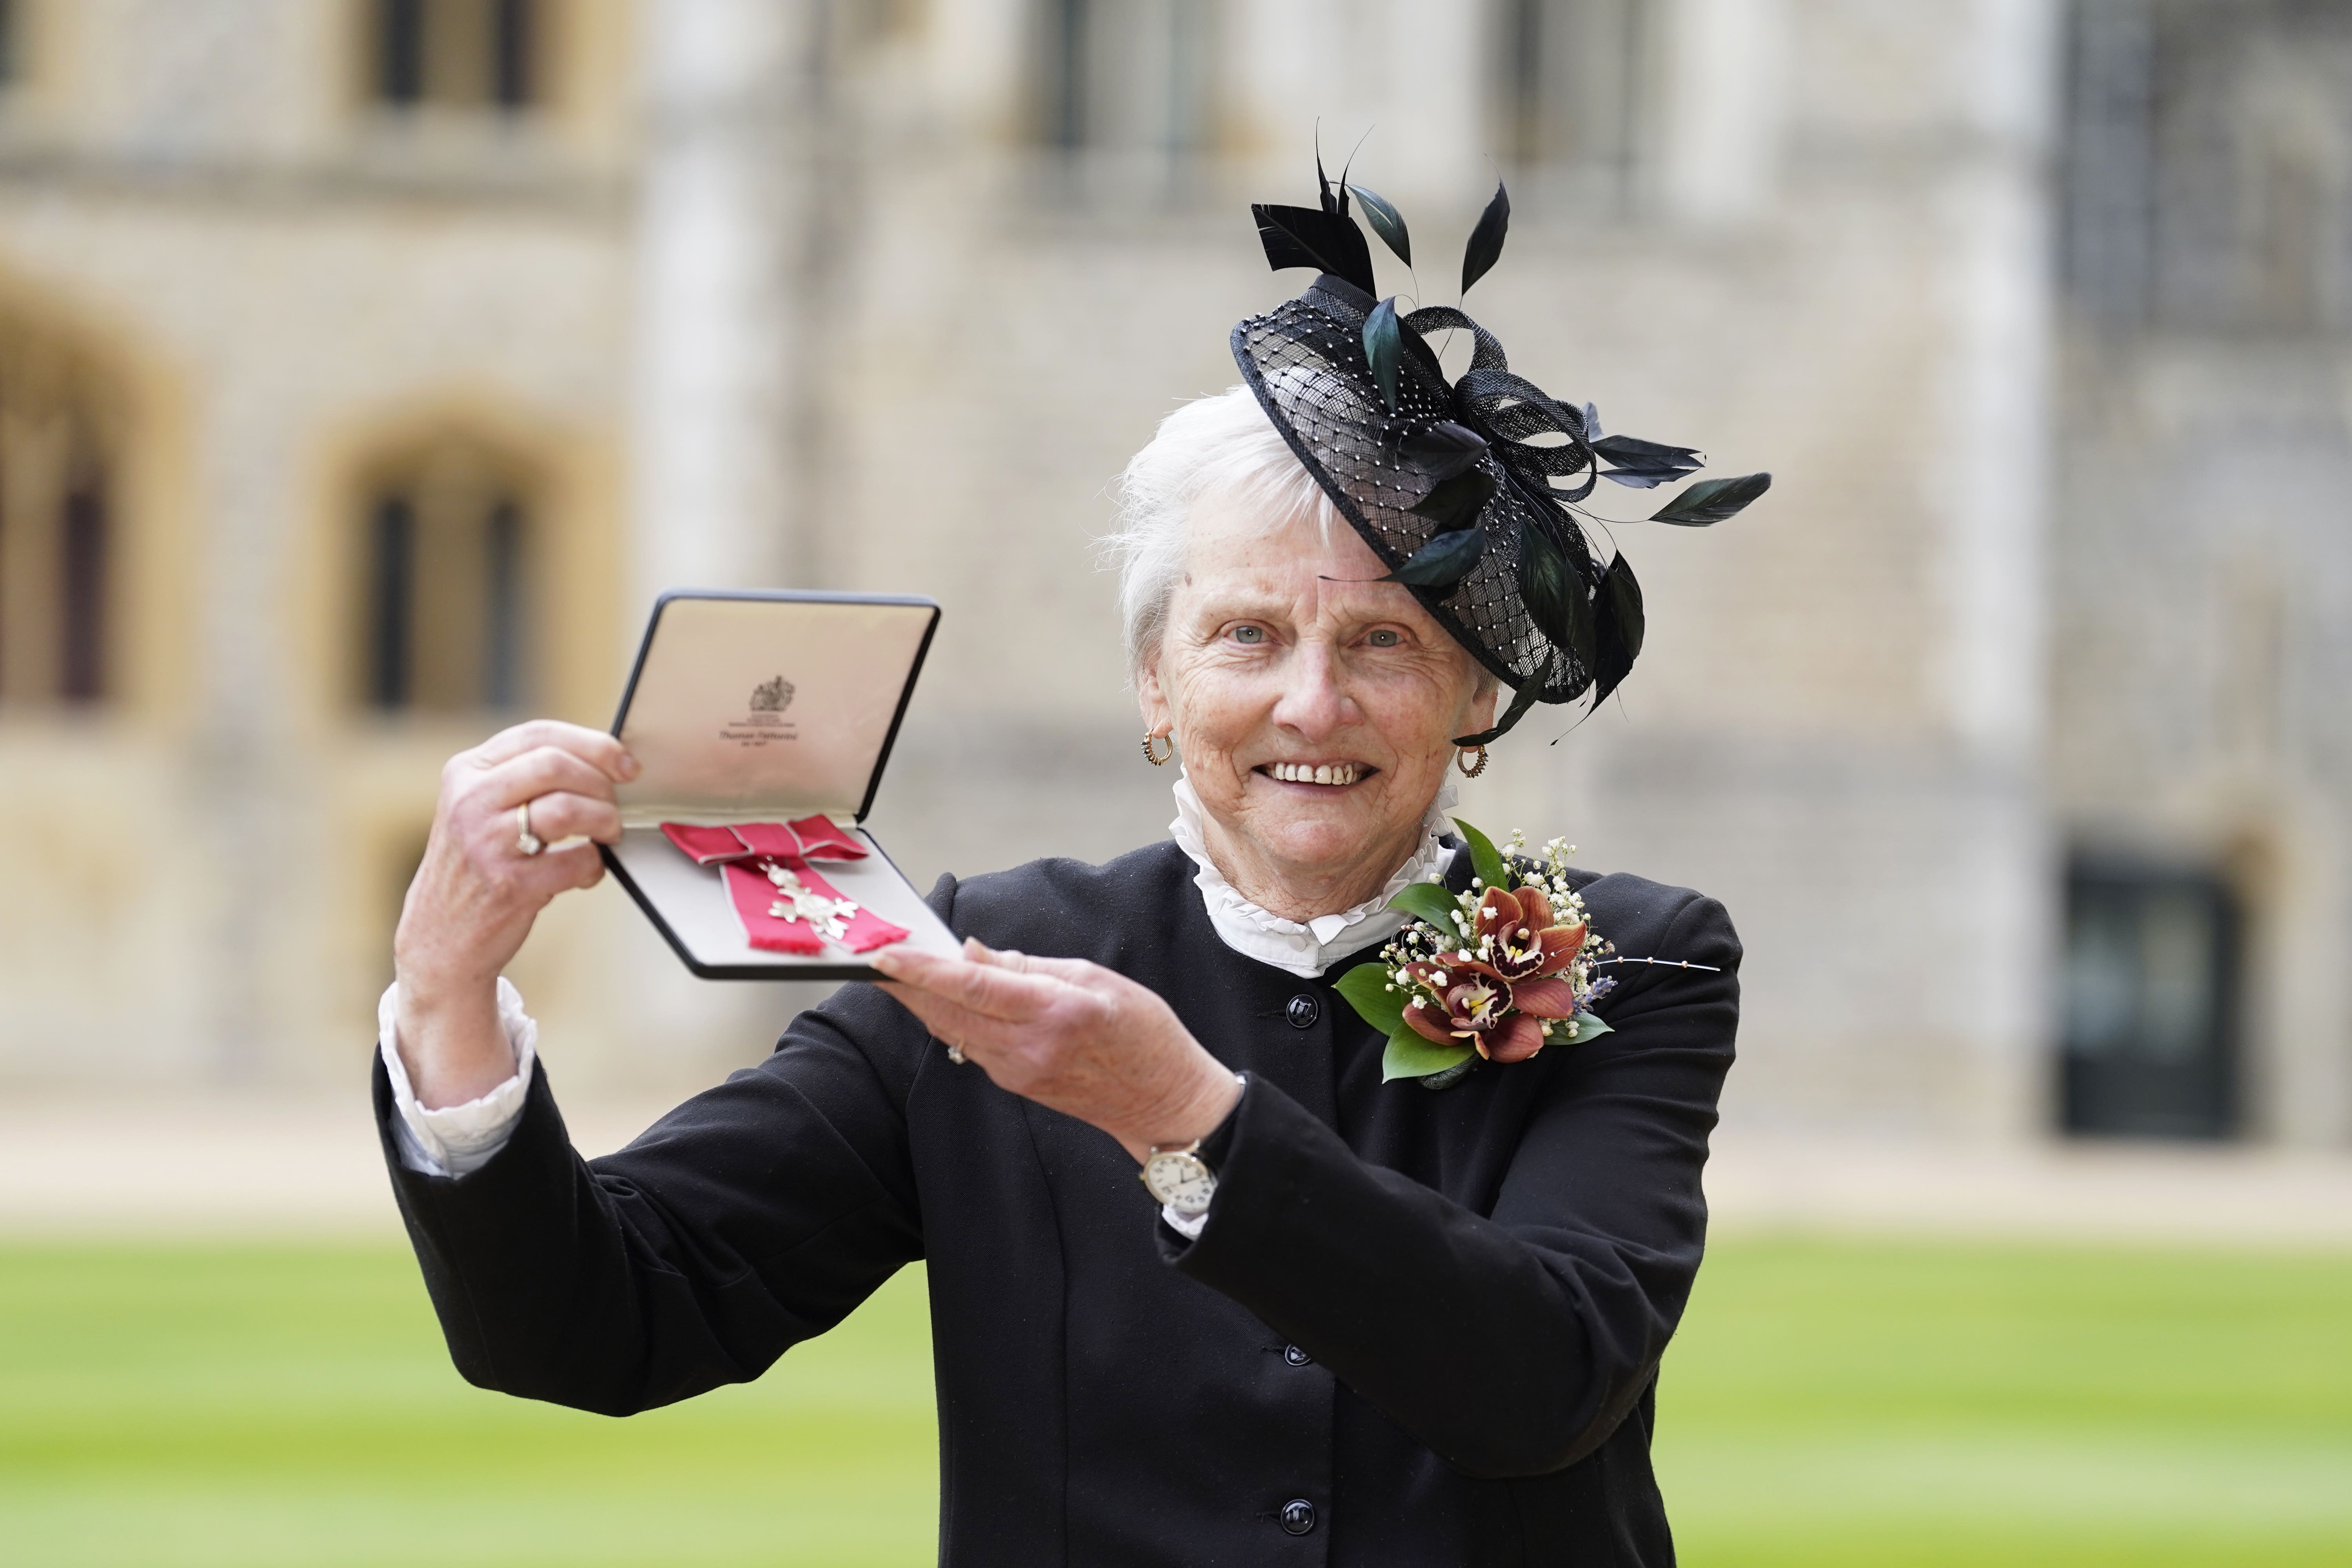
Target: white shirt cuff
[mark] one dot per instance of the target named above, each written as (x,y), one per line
(1188,1225)
(458,1140)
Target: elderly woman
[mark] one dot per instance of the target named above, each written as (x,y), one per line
(1350,1319)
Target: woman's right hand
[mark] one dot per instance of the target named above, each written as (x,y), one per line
(477,893)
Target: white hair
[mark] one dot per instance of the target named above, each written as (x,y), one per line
(1223,447)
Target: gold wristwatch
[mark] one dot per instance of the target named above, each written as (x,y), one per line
(1176,1175)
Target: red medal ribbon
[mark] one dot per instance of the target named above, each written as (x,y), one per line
(785,905)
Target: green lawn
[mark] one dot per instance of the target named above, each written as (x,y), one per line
(1941,1404)
(1828,1404)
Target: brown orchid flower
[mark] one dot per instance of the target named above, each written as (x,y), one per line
(1496,993)
(1544,998)
(1519,1036)
(1515,937)
(1458,1001)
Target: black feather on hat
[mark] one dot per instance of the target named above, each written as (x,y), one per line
(1470,492)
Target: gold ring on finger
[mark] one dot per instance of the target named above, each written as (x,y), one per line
(526,841)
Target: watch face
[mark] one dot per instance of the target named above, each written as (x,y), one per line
(1181,1180)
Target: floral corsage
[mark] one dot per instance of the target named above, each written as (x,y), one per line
(1498,971)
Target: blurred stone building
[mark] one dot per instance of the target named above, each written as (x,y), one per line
(367,365)
(2200,753)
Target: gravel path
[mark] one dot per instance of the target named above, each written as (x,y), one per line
(212,1164)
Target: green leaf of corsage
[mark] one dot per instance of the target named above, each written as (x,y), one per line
(1374,996)
(1486,860)
(1587,1025)
(1410,1056)
(1430,902)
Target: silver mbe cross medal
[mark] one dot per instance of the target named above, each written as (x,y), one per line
(799,901)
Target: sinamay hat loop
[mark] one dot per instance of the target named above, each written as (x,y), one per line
(1468,492)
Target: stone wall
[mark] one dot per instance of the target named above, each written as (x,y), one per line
(791,294)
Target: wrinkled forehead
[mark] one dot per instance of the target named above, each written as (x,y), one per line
(1240,559)
(1229,534)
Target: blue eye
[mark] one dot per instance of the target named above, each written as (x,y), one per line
(1249,634)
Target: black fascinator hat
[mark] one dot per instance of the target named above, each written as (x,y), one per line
(1471,492)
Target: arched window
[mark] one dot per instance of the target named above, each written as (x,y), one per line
(446,564)
(56,522)
(458,54)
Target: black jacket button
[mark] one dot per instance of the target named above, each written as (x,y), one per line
(1303,1011)
(1295,1356)
(1298,1516)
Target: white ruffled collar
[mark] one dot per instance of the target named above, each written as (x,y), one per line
(1305,948)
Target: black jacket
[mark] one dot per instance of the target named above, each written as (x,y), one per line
(1433,1317)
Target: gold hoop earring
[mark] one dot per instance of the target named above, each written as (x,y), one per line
(1470,770)
(1158,759)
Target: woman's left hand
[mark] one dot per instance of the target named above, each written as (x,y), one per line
(1072,1035)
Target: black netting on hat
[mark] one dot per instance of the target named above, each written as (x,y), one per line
(1472,493)
(1305,362)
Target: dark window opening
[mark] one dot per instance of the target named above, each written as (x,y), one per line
(1522,79)
(1567,75)
(457,53)
(2107,161)
(511,53)
(400,50)
(81,596)
(2207,165)
(1129,77)
(1065,97)
(57,531)
(444,601)
(391,600)
(502,628)
(2151,992)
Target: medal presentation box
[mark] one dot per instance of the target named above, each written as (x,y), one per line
(767,708)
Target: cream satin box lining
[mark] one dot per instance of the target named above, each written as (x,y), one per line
(767,707)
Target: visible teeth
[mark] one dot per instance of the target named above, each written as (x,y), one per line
(1340,773)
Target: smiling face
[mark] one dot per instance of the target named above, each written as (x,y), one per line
(1315,716)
